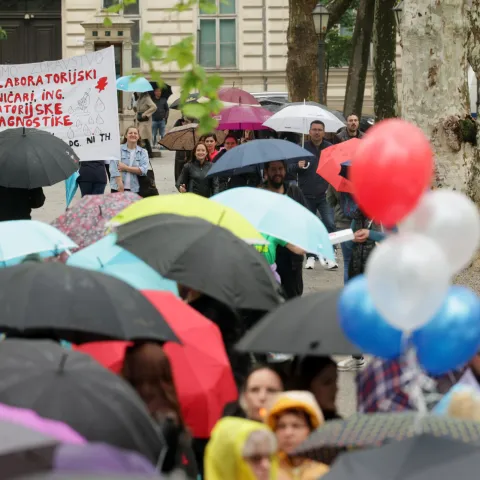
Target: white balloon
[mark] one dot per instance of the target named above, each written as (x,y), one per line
(452,220)
(408,278)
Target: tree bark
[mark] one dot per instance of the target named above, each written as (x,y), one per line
(434,85)
(357,72)
(337,9)
(302,69)
(385,60)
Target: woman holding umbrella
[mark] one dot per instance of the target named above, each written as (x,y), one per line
(194,174)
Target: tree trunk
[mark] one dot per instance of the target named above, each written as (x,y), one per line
(337,8)
(302,69)
(357,72)
(385,60)
(434,85)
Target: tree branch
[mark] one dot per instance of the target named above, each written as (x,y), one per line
(337,9)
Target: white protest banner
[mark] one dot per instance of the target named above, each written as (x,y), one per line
(75,99)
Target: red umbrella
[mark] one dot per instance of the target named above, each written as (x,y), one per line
(331,161)
(201,370)
(243,117)
(237,95)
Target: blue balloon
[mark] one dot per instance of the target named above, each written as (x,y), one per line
(363,325)
(452,337)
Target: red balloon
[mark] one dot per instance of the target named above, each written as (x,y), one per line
(391,169)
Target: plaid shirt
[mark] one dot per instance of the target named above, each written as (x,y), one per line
(385,386)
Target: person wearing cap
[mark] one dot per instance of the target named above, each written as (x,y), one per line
(293,416)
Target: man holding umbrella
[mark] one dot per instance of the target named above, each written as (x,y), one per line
(289,264)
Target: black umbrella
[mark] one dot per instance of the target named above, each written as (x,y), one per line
(31,158)
(367,430)
(71,387)
(192,98)
(52,300)
(202,256)
(166,90)
(24,451)
(419,458)
(303,326)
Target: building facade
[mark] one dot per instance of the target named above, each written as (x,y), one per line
(245,41)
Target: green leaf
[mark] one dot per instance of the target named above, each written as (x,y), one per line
(107,22)
(3,34)
(206,124)
(195,110)
(208,6)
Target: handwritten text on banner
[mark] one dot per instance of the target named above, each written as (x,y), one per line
(75,99)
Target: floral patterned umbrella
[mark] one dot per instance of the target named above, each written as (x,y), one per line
(85,222)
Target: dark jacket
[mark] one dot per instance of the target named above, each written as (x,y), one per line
(342,222)
(93,171)
(162,109)
(312,184)
(194,177)
(222,179)
(343,136)
(17,203)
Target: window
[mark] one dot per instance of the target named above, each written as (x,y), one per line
(217,36)
(132,13)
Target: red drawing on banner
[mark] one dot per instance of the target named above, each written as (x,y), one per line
(101,84)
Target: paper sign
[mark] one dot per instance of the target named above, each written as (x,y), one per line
(75,99)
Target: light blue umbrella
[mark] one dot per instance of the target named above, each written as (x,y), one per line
(281,217)
(139,85)
(71,187)
(19,238)
(107,257)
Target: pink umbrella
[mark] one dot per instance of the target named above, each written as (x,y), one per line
(237,95)
(243,117)
(29,419)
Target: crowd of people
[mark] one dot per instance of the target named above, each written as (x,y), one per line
(281,399)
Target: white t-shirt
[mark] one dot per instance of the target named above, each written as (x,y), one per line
(128,176)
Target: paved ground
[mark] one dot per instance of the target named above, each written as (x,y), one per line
(314,280)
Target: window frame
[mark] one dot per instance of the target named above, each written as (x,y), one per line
(218,17)
(135,45)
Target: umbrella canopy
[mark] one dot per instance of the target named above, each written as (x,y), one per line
(242,118)
(31,158)
(257,152)
(185,137)
(30,419)
(131,84)
(337,113)
(297,119)
(24,450)
(52,300)
(166,90)
(237,95)
(361,430)
(85,222)
(419,458)
(192,98)
(315,331)
(333,158)
(203,257)
(19,238)
(279,216)
(107,257)
(192,205)
(73,388)
(201,370)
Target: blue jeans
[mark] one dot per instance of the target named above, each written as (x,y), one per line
(347,255)
(158,126)
(325,212)
(91,188)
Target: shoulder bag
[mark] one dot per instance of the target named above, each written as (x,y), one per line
(147,183)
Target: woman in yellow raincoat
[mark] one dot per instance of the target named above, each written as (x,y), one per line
(293,416)
(240,449)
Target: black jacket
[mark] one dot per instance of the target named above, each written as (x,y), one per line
(312,184)
(194,177)
(17,203)
(162,109)
(93,171)
(343,136)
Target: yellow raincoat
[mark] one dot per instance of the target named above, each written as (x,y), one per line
(304,401)
(223,455)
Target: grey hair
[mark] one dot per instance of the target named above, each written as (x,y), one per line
(256,440)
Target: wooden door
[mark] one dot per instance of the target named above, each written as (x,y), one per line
(13,49)
(44,39)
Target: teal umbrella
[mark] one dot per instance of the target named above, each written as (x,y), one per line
(281,217)
(132,84)
(71,187)
(107,257)
(19,238)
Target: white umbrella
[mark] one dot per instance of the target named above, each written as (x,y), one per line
(297,119)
